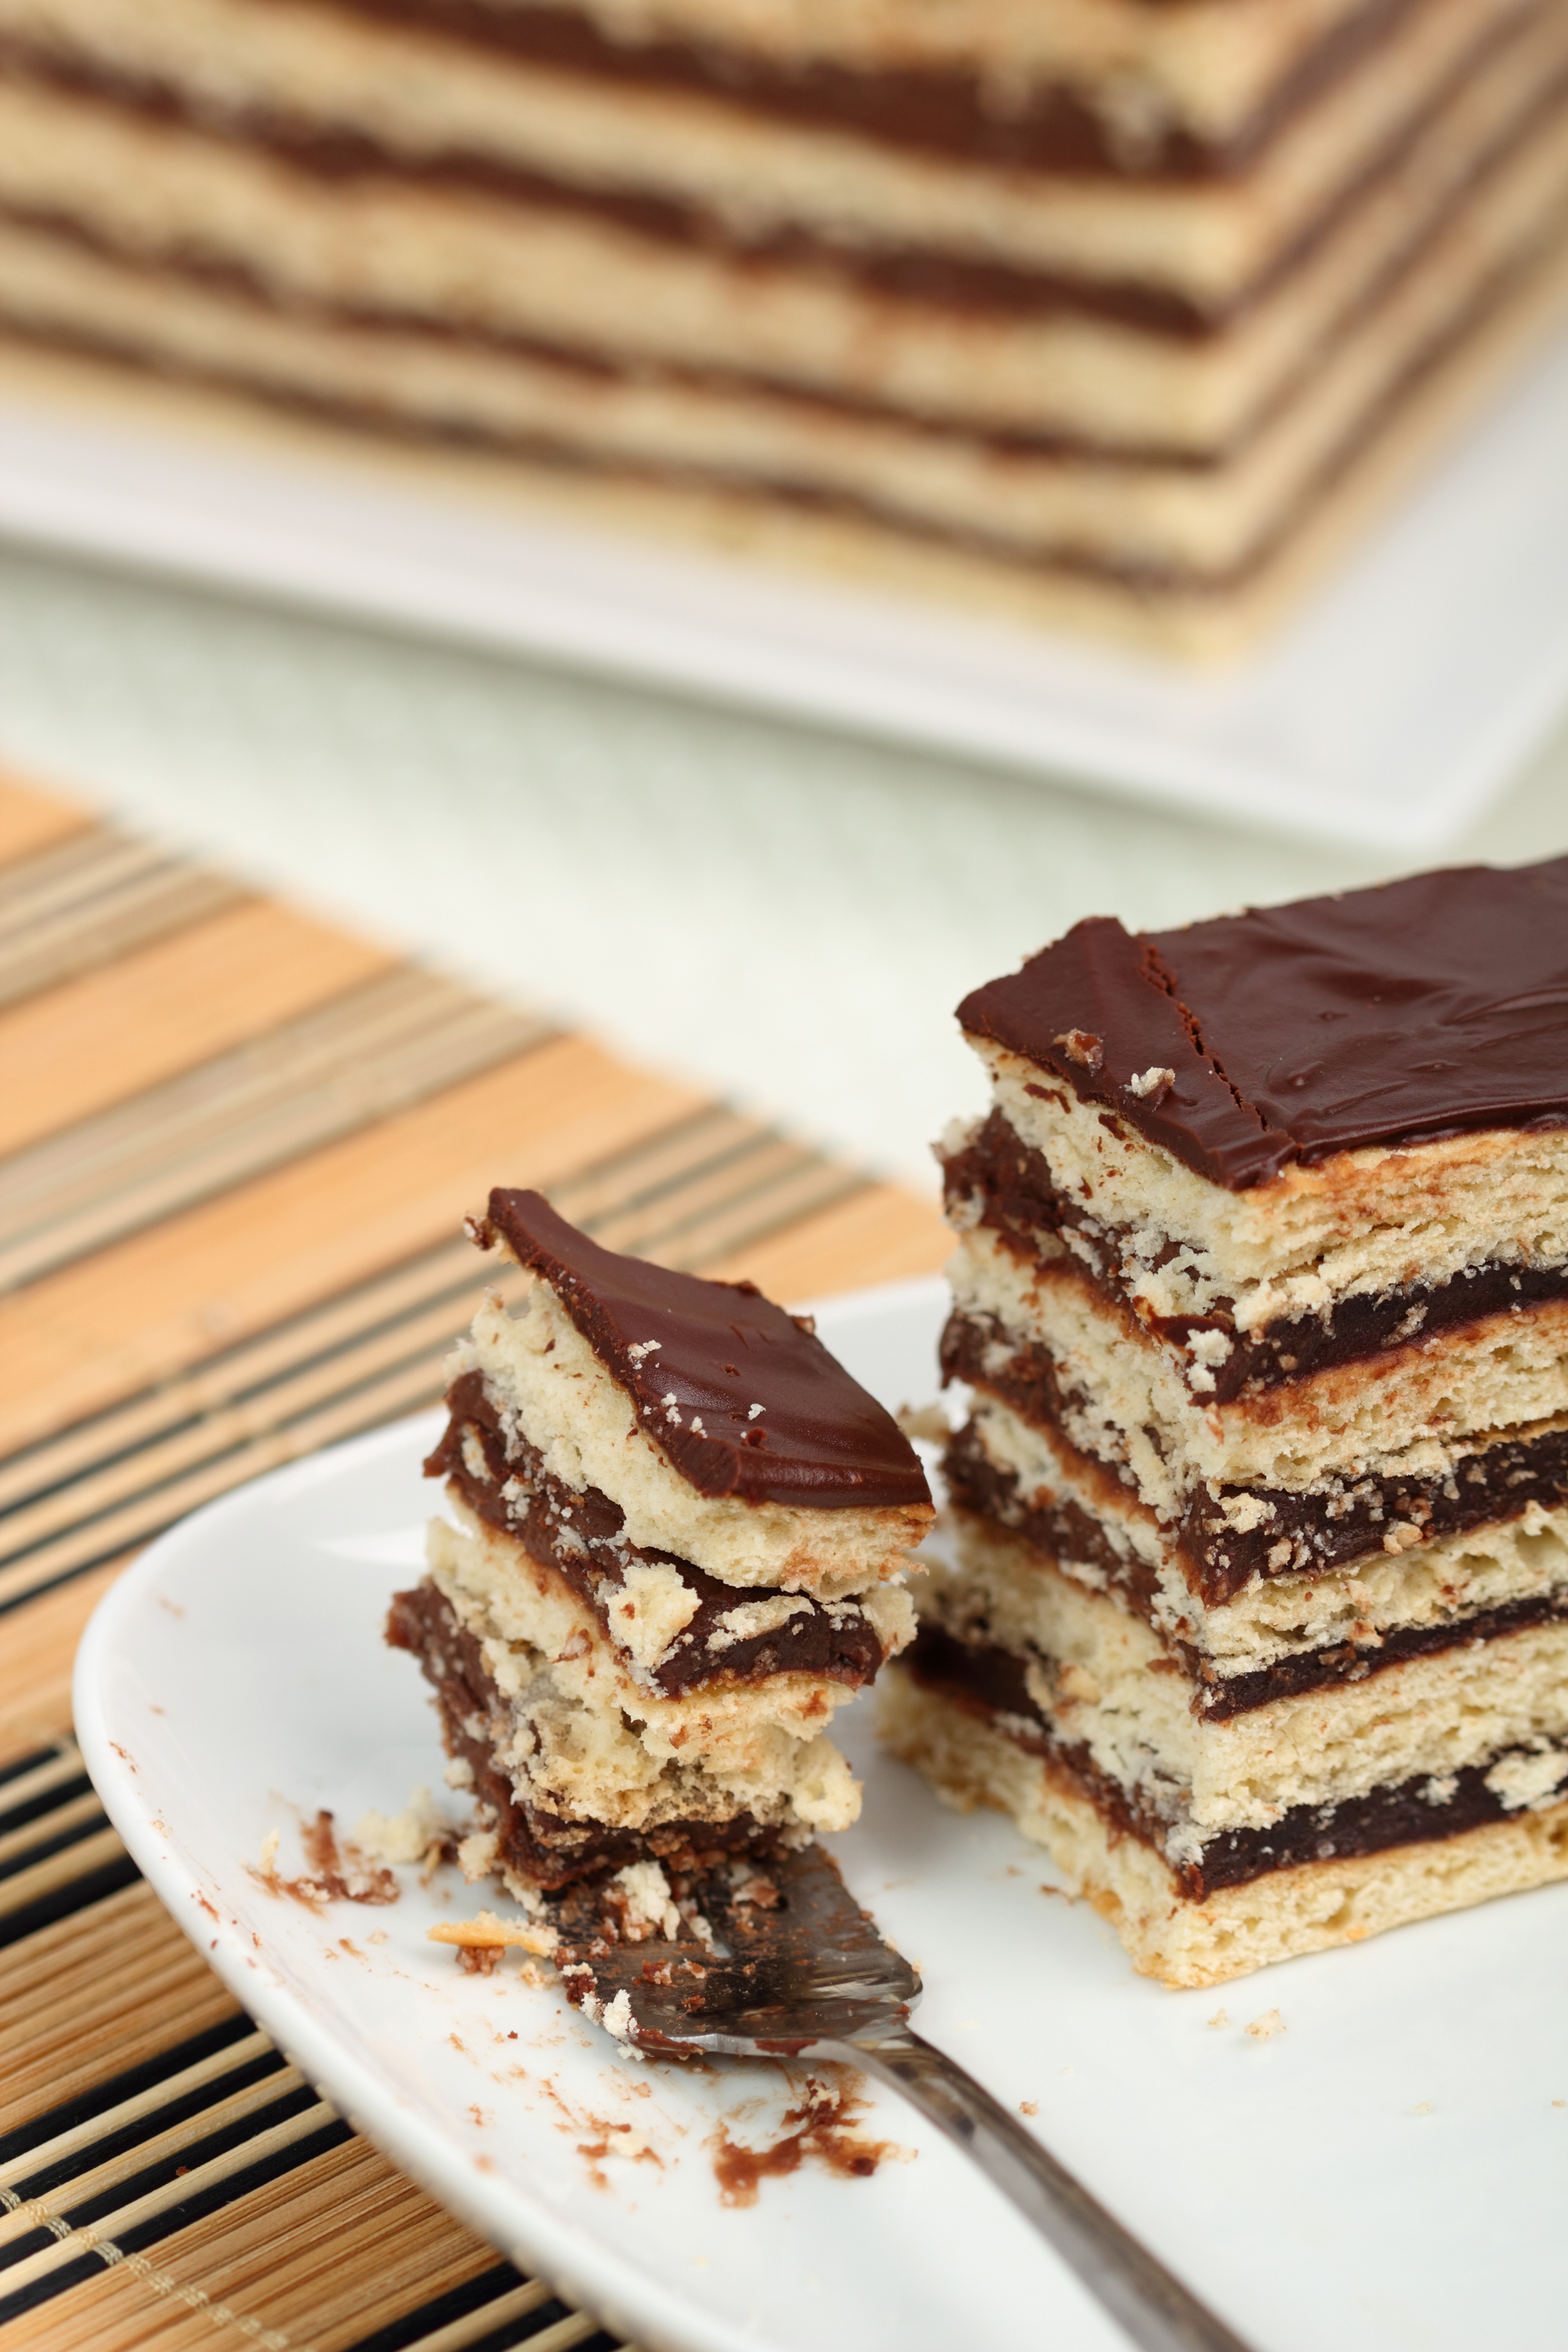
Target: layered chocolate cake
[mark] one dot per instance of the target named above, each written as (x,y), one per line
(1255,1606)
(1116,310)
(678,1538)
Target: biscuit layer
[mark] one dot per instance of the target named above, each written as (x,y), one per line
(1043,1339)
(357,94)
(1233,1797)
(1279,1634)
(548,1383)
(1303,1908)
(729,338)
(505,1596)
(1383,1245)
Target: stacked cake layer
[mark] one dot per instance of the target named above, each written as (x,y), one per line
(1256,1606)
(678,1538)
(1091,303)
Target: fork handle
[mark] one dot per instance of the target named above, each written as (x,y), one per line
(1155,2309)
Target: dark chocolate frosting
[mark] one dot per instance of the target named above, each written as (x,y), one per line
(1417,1009)
(744,1400)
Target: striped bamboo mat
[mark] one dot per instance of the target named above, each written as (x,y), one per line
(235,1149)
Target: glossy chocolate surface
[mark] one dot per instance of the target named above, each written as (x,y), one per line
(1422,1008)
(742,1398)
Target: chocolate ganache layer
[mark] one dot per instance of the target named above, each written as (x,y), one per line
(1061,1531)
(549,1851)
(1047,127)
(1327,1525)
(1394,1015)
(1178,586)
(742,1398)
(1055,1525)
(1019,1200)
(922,275)
(196,263)
(992,1685)
(579,1533)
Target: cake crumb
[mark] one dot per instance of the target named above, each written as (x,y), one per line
(1527,1778)
(1423,2108)
(477,1854)
(1028,2106)
(1219,2018)
(927,1420)
(641,1892)
(332,1875)
(486,1933)
(616,2017)
(408,1836)
(1269,2023)
(1082,1047)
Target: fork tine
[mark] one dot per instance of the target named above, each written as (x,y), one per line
(813,1978)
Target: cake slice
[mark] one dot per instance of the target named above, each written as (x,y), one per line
(1103,312)
(1256,1610)
(678,1541)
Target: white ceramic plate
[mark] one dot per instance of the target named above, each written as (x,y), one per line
(1408,689)
(1386,2172)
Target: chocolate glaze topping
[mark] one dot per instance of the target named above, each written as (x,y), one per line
(990,1684)
(1393,1015)
(743,1398)
(581,1534)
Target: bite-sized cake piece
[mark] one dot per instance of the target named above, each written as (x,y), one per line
(1256,1606)
(678,1538)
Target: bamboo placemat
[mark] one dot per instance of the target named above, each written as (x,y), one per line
(235,1149)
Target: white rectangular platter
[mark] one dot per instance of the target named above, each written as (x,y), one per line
(1405,693)
(1385,2173)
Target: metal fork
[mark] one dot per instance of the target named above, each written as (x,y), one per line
(804,1973)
